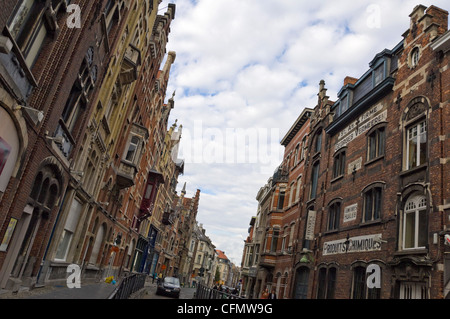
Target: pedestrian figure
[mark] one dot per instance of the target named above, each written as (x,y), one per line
(272,294)
(265,294)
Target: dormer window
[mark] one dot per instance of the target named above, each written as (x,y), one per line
(378,74)
(344,104)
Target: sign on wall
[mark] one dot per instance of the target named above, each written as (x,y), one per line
(350,212)
(370,118)
(310,223)
(355,244)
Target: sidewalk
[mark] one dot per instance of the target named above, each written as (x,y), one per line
(149,287)
(100,290)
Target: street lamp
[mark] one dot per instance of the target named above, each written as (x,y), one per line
(347,242)
(39,114)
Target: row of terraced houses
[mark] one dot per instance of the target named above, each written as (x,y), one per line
(360,206)
(88,160)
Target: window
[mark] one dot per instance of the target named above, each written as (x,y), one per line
(413,290)
(71,112)
(375,143)
(297,191)
(249,255)
(281,199)
(292,193)
(378,74)
(76,104)
(327,283)
(339,164)
(69,229)
(334,213)
(359,283)
(318,142)
(415,223)
(132,148)
(274,244)
(301,283)
(291,236)
(314,180)
(99,238)
(28,29)
(416,145)
(360,289)
(303,149)
(372,204)
(284,239)
(414,57)
(148,191)
(296,158)
(44,194)
(343,105)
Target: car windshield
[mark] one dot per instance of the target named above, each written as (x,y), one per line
(172,280)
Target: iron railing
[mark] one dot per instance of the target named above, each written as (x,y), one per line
(203,292)
(128,286)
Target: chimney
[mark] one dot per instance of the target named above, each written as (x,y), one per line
(350,80)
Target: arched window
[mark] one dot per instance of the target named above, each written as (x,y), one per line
(318,142)
(97,244)
(339,164)
(375,143)
(301,283)
(326,283)
(372,202)
(414,224)
(414,57)
(314,179)
(415,134)
(45,192)
(334,213)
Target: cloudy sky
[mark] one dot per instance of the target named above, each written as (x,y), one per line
(244,71)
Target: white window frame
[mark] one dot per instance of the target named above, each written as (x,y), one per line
(69,229)
(420,130)
(414,205)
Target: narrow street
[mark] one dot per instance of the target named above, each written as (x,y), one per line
(186,293)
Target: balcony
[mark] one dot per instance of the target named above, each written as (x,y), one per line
(168,217)
(126,173)
(281,175)
(131,62)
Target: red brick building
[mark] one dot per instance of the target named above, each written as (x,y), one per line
(82,125)
(375,205)
(45,121)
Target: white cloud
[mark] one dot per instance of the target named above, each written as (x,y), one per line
(257,64)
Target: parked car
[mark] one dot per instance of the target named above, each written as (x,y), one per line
(169,286)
